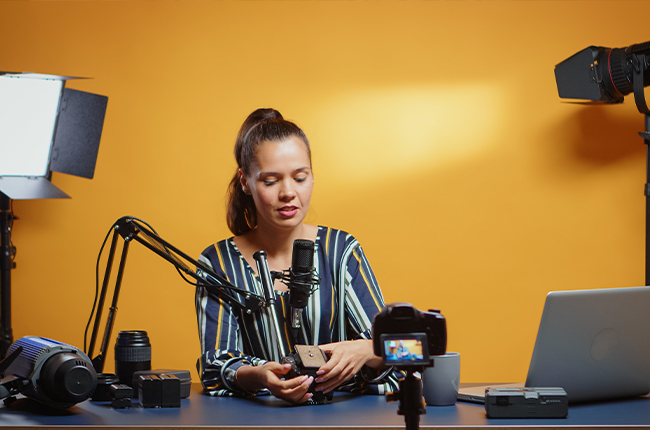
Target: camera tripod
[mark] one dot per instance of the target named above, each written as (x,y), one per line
(410,399)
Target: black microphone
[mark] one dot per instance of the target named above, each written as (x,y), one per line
(301,278)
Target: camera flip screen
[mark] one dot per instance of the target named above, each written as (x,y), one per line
(404,350)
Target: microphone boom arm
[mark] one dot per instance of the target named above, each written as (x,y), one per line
(132,230)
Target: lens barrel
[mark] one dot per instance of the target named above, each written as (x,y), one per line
(132,353)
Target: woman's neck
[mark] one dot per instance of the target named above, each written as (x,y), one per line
(278,246)
(278,243)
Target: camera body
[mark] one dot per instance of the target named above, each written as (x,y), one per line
(306,361)
(405,337)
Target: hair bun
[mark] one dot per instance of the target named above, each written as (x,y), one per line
(268,113)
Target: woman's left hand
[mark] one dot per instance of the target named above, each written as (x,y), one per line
(347,358)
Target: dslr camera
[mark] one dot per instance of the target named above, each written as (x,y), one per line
(405,337)
(306,361)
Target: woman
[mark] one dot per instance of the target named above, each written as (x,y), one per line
(269,198)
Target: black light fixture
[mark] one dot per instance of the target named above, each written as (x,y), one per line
(607,75)
(44,128)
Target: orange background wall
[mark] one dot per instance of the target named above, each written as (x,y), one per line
(438,139)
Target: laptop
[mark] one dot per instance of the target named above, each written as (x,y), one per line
(593,343)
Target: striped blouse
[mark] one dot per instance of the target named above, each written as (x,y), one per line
(231,339)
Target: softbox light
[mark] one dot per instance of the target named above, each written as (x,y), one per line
(44,128)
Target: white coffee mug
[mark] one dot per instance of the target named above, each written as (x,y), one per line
(440,382)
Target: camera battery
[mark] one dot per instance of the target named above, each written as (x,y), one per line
(526,402)
(150,390)
(162,391)
(170,396)
(121,396)
(183,375)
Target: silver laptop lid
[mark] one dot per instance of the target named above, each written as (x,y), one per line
(594,343)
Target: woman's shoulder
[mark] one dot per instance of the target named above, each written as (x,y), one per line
(333,238)
(224,245)
(222,256)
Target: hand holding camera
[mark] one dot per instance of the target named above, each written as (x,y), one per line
(270,376)
(306,361)
(346,360)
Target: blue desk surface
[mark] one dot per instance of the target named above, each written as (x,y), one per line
(345,411)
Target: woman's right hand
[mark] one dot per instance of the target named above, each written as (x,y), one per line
(269,376)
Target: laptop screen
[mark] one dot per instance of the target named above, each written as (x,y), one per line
(594,343)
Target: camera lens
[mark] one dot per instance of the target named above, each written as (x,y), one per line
(132,353)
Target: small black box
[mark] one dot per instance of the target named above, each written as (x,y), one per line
(526,402)
(123,403)
(121,396)
(183,375)
(150,391)
(159,391)
(171,392)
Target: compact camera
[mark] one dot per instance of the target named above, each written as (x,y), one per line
(306,361)
(405,337)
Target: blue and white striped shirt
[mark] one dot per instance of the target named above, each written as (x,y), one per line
(230,339)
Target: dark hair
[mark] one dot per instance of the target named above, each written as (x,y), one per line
(261,125)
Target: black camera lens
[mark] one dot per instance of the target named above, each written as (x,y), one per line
(132,353)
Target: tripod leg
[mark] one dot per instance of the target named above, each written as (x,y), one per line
(6,334)
(638,83)
(411,404)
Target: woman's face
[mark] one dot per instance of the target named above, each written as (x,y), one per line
(281,183)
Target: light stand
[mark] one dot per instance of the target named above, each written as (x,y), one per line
(44,128)
(6,264)
(646,139)
(640,66)
(607,75)
(130,229)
